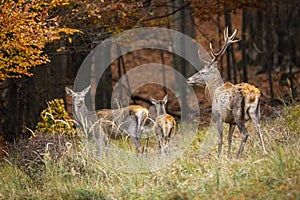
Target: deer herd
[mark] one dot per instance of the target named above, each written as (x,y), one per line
(231,103)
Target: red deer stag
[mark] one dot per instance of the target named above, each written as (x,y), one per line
(232,104)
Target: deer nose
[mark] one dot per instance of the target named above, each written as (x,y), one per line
(79,103)
(189,80)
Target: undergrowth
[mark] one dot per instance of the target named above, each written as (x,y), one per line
(59,167)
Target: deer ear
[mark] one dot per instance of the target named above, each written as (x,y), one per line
(86,90)
(152,100)
(69,91)
(165,99)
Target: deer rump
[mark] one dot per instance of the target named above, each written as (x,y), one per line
(237,100)
(116,123)
(166,125)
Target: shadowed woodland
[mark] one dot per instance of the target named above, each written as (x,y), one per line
(267,56)
(43,44)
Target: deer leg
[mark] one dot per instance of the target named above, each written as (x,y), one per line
(102,145)
(220,136)
(243,130)
(255,119)
(216,120)
(161,144)
(158,131)
(231,129)
(139,146)
(101,140)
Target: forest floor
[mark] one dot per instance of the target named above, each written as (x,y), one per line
(197,174)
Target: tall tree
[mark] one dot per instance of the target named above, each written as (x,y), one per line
(183,22)
(244,46)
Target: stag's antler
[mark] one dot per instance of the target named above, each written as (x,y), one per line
(227,41)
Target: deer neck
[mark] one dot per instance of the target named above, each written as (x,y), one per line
(81,112)
(213,84)
(160,111)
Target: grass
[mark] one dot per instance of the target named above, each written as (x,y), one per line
(199,174)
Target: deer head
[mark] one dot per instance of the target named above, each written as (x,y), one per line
(210,69)
(160,105)
(78,97)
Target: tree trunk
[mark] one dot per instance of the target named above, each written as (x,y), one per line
(267,47)
(10,121)
(220,35)
(163,71)
(292,8)
(244,46)
(228,52)
(183,22)
(104,89)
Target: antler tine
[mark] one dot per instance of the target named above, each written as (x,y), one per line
(225,34)
(227,41)
(233,34)
(230,39)
(212,52)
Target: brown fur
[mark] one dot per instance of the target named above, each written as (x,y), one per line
(249,91)
(165,125)
(108,116)
(113,121)
(165,128)
(251,96)
(133,109)
(166,120)
(233,104)
(228,85)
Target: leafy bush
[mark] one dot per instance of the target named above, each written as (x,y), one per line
(55,120)
(52,136)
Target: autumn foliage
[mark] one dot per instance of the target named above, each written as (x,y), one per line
(25,28)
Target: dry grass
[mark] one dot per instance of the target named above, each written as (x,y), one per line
(199,174)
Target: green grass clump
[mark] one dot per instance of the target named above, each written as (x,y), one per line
(292,118)
(198,174)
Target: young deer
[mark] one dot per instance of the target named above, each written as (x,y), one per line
(233,104)
(129,120)
(165,124)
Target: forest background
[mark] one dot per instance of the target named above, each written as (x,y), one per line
(43,44)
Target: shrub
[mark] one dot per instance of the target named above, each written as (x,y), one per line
(53,136)
(31,155)
(55,120)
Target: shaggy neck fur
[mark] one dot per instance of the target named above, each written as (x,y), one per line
(211,85)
